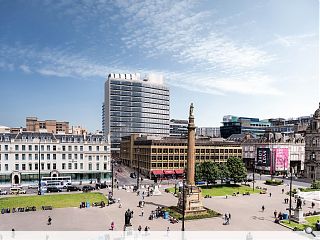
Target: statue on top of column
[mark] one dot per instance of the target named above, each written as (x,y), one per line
(191,109)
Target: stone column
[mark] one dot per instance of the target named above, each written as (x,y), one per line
(191,148)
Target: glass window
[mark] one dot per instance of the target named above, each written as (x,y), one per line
(16,147)
(69,148)
(23,167)
(23,157)
(90,148)
(42,166)
(48,148)
(48,156)
(36,147)
(75,165)
(17,167)
(36,166)
(17,156)
(63,156)
(54,156)
(6,147)
(63,166)
(30,166)
(42,147)
(81,148)
(69,156)
(29,156)
(42,156)
(54,148)
(81,156)
(48,166)
(81,165)
(97,158)
(54,166)
(63,148)
(23,147)
(69,166)
(6,167)
(90,166)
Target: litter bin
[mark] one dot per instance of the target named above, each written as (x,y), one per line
(166,215)
(88,204)
(285,216)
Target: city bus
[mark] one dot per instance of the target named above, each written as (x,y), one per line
(59,182)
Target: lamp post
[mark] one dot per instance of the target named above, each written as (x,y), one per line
(112,175)
(183,202)
(254,168)
(138,174)
(290,192)
(39,163)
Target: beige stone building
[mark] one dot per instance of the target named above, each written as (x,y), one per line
(167,157)
(312,149)
(50,126)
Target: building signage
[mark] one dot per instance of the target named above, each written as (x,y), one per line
(263,157)
(281,156)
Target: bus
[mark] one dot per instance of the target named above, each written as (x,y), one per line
(59,182)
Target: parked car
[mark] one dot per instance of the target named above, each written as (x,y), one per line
(72,188)
(87,188)
(133,175)
(53,189)
(101,185)
(33,186)
(17,190)
(3,192)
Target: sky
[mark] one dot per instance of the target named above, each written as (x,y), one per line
(253,58)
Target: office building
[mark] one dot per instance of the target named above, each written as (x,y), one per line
(135,105)
(157,156)
(312,156)
(178,128)
(212,132)
(84,157)
(238,125)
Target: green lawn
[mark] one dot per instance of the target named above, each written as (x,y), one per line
(311,221)
(55,200)
(223,190)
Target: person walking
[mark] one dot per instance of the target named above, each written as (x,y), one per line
(269,194)
(139,228)
(312,205)
(142,211)
(229,216)
(49,220)
(262,208)
(282,191)
(275,213)
(112,225)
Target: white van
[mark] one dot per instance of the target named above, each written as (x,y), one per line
(17,190)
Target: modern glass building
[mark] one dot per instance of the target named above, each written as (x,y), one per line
(135,105)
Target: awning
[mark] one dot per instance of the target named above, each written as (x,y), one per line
(157,172)
(179,171)
(168,172)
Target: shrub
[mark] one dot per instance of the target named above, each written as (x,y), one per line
(273,182)
(315,184)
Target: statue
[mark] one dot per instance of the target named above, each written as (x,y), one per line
(127,217)
(299,203)
(191,110)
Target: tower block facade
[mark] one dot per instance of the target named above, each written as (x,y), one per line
(190,200)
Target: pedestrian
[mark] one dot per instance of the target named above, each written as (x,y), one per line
(262,208)
(146,229)
(139,228)
(318,225)
(49,220)
(142,212)
(112,225)
(269,194)
(282,191)
(304,202)
(229,216)
(168,228)
(275,213)
(313,204)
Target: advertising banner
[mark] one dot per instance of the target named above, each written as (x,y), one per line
(263,157)
(281,158)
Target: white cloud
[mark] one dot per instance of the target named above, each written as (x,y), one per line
(25,68)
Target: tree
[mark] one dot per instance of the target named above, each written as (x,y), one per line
(223,171)
(198,173)
(237,169)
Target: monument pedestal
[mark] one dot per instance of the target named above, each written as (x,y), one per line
(192,201)
(156,191)
(298,216)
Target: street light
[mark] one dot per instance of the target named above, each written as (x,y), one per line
(138,174)
(290,192)
(254,168)
(112,175)
(39,177)
(183,202)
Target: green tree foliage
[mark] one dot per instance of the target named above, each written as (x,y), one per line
(237,170)
(198,173)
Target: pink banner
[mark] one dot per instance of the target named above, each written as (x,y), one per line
(281,158)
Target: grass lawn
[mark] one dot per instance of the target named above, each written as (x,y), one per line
(311,222)
(223,190)
(55,200)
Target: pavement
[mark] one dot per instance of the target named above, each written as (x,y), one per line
(245,212)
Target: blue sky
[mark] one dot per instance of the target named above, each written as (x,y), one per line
(240,57)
